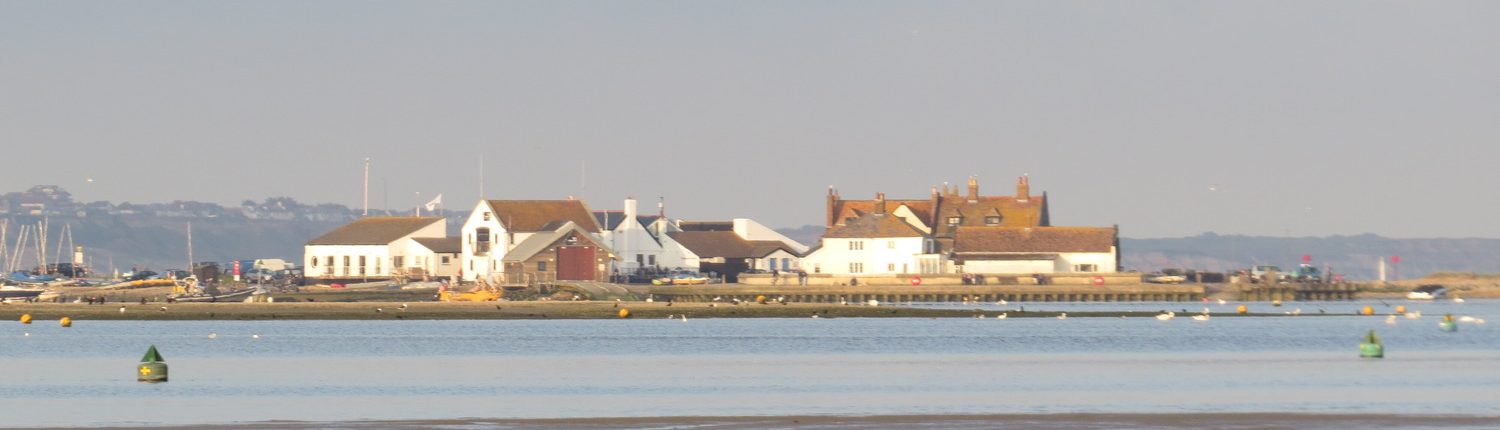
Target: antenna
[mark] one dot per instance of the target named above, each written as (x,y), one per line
(367,186)
(481,176)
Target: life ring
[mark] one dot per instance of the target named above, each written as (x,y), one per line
(1098,280)
(916,280)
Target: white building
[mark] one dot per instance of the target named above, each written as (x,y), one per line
(873,244)
(373,247)
(1044,250)
(643,241)
(729,248)
(497,226)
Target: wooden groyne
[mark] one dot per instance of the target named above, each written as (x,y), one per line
(936,293)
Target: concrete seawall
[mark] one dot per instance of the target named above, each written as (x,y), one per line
(933,293)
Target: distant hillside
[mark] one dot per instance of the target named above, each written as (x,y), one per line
(810,235)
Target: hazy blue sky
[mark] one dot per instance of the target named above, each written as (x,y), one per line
(1167,118)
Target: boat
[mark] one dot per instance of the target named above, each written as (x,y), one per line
(1165,279)
(189,290)
(685,278)
(27,278)
(12,292)
(1427,292)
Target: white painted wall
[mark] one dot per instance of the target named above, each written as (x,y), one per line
(792,262)
(378,258)
(879,256)
(674,255)
(484,266)
(1104,262)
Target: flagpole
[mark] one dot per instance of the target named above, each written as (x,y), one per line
(367,186)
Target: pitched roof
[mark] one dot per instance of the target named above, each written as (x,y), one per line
(1012,213)
(442,245)
(541,241)
(846,209)
(1034,239)
(762,248)
(611,220)
(535,215)
(706,225)
(711,244)
(874,225)
(375,230)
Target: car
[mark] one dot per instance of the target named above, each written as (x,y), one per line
(65,269)
(141,275)
(256,276)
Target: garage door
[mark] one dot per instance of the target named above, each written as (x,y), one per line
(575,263)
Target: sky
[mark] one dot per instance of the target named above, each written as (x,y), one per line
(1167,118)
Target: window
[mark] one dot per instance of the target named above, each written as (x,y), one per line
(953,220)
(992,220)
(856,245)
(314,261)
(486,216)
(329,261)
(890,244)
(640,259)
(856,267)
(541,266)
(398,262)
(482,246)
(651,259)
(445,260)
(890,267)
(786,264)
(1085,268)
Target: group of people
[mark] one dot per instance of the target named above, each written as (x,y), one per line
(776,277)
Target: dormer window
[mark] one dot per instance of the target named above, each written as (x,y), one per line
(953,220)
(992,220)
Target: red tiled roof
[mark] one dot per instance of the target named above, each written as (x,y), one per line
(536,215)
(711,244)
(375,230)
(979,240)
(847,209)
(874,225)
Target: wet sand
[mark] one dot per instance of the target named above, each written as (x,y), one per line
(935,422)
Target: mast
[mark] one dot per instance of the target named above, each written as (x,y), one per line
(190,246)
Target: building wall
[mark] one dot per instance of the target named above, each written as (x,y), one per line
(376,257)
(1104,262)
(676,256)
(475,265)
(528,271)
(631,239)
(877,256)
(782,260)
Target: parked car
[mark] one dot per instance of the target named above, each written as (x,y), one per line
(141,275)
(64,269)
(257,276)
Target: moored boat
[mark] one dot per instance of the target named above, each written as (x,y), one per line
(1427,292)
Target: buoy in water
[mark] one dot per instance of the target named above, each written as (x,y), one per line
(1400,309)
(624,313)
(25,318)
(1242,309)
(1447,324)
(1367,310)
(1371,347)
(1275,303)
(152,368)
(65,322)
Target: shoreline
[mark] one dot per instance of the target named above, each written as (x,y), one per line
(1037,421)
(541,310)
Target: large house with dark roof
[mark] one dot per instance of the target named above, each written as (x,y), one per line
(379,247)
(643,241)
(546,231)
(728,248)
(951,232)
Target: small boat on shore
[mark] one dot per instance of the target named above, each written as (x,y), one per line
(1427,292)
(189,290)
(12,292)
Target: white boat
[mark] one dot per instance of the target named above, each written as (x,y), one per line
(1166,279)
(12,292)
(1427,292)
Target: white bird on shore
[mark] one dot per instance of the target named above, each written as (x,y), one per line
(403,306)
(1390,319)
(1458,300)
(1062,316)
(717,298)
(1222,302)
(1001,303)
(1203,317)
(1166,316)
(1001,316)
(255,336)
(1413,315)
(815,316)
(122,309)
(684,317)
(212,335)
(26,334)
(1466,318)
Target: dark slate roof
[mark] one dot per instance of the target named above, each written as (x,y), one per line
(442,245)
(762,248)
(711,244)
(538,215)
(611,220)
(874,225)
(379,230)
(979,240)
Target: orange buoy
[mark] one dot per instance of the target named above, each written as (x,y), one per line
(1367,310)
(624,313)
(760,299)
(65,322)
(1400,309)
(1242,309)
(25,318)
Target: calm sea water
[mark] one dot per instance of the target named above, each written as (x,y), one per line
(358,370)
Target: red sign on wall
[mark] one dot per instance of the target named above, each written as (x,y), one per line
(916,281)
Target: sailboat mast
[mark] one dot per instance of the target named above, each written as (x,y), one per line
(190,246)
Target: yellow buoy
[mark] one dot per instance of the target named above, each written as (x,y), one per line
(1242,309)
(25,318)
(1367,310)
(624,313)
(65,322)
(1400,309)
(760,299)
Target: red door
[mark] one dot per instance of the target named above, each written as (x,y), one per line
(575,263)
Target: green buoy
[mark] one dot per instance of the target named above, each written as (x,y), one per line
(1447,324)
(1371,347)
(152,367)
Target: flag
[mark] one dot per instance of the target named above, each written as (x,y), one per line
(432,205)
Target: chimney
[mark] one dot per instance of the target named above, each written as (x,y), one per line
(629,212)
(973,189)
(1023,189)
(880,203)
(934,191)
(832,199)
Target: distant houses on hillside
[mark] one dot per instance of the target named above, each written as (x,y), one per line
(522,242)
